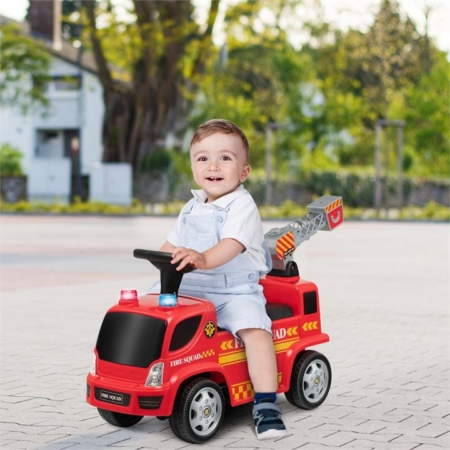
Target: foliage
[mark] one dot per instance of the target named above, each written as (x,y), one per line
(426,109)
(382,73)
(77,207)
(288,210)
(160,160)
(162,75)
(326,97)
(21,56)
(355,185)
(163,48)
(431,210)
(10,161)
(393,56)
(258,79)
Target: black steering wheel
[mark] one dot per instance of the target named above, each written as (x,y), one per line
(161,260)
(170,277)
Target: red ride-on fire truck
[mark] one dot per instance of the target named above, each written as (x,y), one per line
(174,362)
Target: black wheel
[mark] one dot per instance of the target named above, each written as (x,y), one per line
(119,419)
(310,381)
(198,411)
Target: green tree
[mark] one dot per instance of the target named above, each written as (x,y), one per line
(10,161)
(392,59)
(426,110)
(259,78)
(363,76)
(20,57)
(165,50)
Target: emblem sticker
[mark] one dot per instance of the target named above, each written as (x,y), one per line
(111,397)
(210,329)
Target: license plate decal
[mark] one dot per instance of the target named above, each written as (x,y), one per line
(111,397)
(116,398)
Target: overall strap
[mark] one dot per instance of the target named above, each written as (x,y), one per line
(187,208)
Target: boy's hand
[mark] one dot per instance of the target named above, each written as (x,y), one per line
(188,256)
(219,254)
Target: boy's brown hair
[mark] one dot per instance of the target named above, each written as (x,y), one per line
(220,126)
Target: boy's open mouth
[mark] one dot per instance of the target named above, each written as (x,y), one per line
(214,179)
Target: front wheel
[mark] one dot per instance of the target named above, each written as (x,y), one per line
(310,382)
(199,411)
(119,419)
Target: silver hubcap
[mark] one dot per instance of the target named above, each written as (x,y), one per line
(315,381)
(205,411)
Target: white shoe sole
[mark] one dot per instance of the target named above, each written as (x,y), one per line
(272,434)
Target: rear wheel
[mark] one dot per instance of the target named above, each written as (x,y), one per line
(198,412)
(119,419)
(310,382)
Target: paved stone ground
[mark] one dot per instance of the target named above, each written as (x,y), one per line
(385,303)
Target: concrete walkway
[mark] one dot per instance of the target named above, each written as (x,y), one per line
(385,300)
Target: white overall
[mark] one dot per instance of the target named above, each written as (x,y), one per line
(234,287)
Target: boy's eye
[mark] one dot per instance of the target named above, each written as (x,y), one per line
(202,158)
(226,158)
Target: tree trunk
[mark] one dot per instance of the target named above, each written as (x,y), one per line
(139,116)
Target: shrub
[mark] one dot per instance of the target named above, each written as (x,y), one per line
(161,161)
(10,161)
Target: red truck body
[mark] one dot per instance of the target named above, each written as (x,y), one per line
(292,303)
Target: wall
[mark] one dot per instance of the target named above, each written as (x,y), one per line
(16,130)
(92,123)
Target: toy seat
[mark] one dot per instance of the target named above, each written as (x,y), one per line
(278,311)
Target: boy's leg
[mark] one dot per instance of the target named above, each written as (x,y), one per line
(262,364)
(262,368)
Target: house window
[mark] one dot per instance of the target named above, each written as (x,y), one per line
(49,144)
(67,83)
(59,83)
(57,143)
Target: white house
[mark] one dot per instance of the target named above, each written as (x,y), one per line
(62,146)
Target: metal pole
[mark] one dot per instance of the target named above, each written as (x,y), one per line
(400,166)
(377,195)
(268,199)
(79,174)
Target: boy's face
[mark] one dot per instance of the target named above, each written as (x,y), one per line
(219,164)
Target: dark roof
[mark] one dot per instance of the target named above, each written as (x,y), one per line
(65,50)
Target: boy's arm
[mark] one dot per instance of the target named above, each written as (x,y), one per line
(167,247)
(221,253)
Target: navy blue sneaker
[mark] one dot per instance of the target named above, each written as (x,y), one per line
(268,422)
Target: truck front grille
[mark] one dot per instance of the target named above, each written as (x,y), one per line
(150,402)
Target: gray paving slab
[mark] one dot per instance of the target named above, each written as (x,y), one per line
(385,302)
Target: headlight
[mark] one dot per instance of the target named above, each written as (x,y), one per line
(93,369)
(155,375)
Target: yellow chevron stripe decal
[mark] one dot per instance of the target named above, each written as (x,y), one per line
(232,358)
(225,359)
(284,345)
(244,390)
(285,244)
(334,205)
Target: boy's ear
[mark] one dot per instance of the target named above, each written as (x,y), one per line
(245,173)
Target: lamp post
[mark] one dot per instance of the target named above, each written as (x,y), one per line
(75,148)
(379,125)
(78,173)
(269,192)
